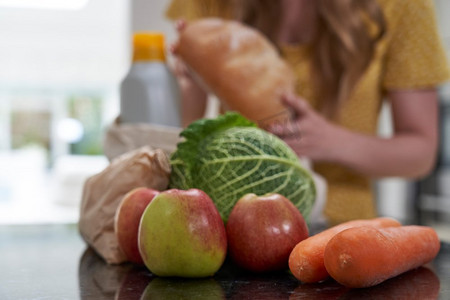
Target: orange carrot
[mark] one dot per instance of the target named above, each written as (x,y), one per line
(306,259)
(366,256)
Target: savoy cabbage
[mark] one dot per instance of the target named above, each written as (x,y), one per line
(230,156)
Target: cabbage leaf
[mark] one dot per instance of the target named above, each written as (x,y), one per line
(229,156)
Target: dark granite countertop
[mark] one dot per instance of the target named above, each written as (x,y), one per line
(52,262)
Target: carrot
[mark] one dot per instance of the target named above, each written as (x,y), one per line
(306,259)
(366,256)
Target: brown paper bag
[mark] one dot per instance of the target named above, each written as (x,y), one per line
(143,167)
(123,137)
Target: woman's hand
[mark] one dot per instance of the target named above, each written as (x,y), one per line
(308,133)
(410,152)
(194,97)
(179,68)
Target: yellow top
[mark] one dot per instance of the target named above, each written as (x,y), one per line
(410,56)
(148,46)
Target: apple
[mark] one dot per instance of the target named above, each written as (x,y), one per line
(182,234)
(263,230)
(127,218)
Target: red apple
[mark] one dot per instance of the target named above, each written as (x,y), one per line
(127,218)
(263,230)
(182,234)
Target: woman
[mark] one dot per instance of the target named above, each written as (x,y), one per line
(348,55)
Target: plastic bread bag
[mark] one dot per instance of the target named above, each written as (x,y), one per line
(102,193)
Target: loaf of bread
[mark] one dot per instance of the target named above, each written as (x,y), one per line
(239,65)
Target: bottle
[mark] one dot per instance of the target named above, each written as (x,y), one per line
(149,93)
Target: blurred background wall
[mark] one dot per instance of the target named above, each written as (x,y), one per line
(61,68)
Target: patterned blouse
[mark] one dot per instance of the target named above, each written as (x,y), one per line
(410,56)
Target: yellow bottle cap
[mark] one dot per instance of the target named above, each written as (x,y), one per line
(148,46)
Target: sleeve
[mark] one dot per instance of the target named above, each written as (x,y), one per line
(415,57)
(195,9)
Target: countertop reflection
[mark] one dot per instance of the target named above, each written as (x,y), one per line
(52,262)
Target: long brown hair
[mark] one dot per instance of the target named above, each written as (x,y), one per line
(343,45)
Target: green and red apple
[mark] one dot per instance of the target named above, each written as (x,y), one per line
(182,234)
(127,218)
(263,230)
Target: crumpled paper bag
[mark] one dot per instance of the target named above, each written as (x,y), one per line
(123,137)
(102,193)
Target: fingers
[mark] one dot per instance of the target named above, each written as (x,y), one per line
(289,129)
(180,25)
(180,68)
(173,48)
(275,128)
(297,105)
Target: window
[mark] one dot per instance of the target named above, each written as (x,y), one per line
(61,69)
